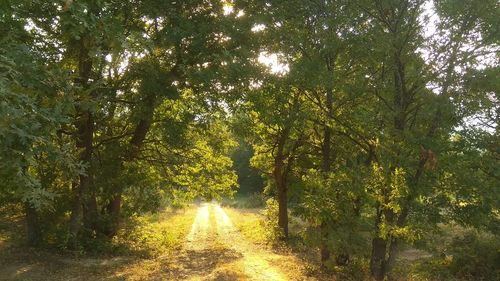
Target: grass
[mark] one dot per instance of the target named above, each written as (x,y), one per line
(250,223)
(146,246)
(155,234)
(140,249)
(252,201)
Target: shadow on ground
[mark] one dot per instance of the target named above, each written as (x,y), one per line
(201,263)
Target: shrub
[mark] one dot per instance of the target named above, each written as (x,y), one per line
(475,257)
(469,256)
(147,238)
(254,200)
(273,232)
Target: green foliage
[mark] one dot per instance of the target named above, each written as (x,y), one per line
(32,107)
(433,269)
(112,109)
(355,270)
(333,205)
(273,232)
(470,255)
(148,238)
(255,200)
(251,201)
(475,257)
(249,179)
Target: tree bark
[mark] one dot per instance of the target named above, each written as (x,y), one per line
(327,163)
(114,206)
(76,216)
(280,179)
(379,250)
(33,230)
(83,199)
(114,211)
(283,209)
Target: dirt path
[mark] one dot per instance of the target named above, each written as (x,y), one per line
(215,250)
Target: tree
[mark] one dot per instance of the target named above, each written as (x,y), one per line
(120,66)
(277,115)
(33,109)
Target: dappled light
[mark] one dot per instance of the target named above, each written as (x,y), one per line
(249,140)
(213,229)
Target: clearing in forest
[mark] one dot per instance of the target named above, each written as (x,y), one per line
(215,250)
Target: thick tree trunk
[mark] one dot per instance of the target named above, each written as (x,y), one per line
(76,216)
(377,261)
(391,259)
(33,229)
(114,205)
(83,200)
(379,249)
(281,186)
(283,210)
(384,250)
(114,211)
(90,214)
(384,253)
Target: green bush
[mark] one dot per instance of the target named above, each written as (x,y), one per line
(147,237)
(469,256)
(273,232)
(252,201)
(356,269)
(475,257)
(434,269)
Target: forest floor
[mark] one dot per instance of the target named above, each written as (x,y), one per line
(216,247)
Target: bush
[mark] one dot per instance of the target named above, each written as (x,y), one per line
(475,257)
(469,256)
(146,237)
(273,232)
(252,201)
(356,269)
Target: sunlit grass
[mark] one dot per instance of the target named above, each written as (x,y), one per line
(250,223)
(154,235)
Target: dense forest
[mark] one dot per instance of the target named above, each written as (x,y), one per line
(372,124)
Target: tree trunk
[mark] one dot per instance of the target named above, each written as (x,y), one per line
(281,186)
(280,179)
(114,211)
(76,216)
(379,249)
(33,230)
(324,250)
(327,163)
(283,209)
(384,250)
(135,143)
(391,259)
(377,261)
(90,215)
(85,197)
(82,199)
